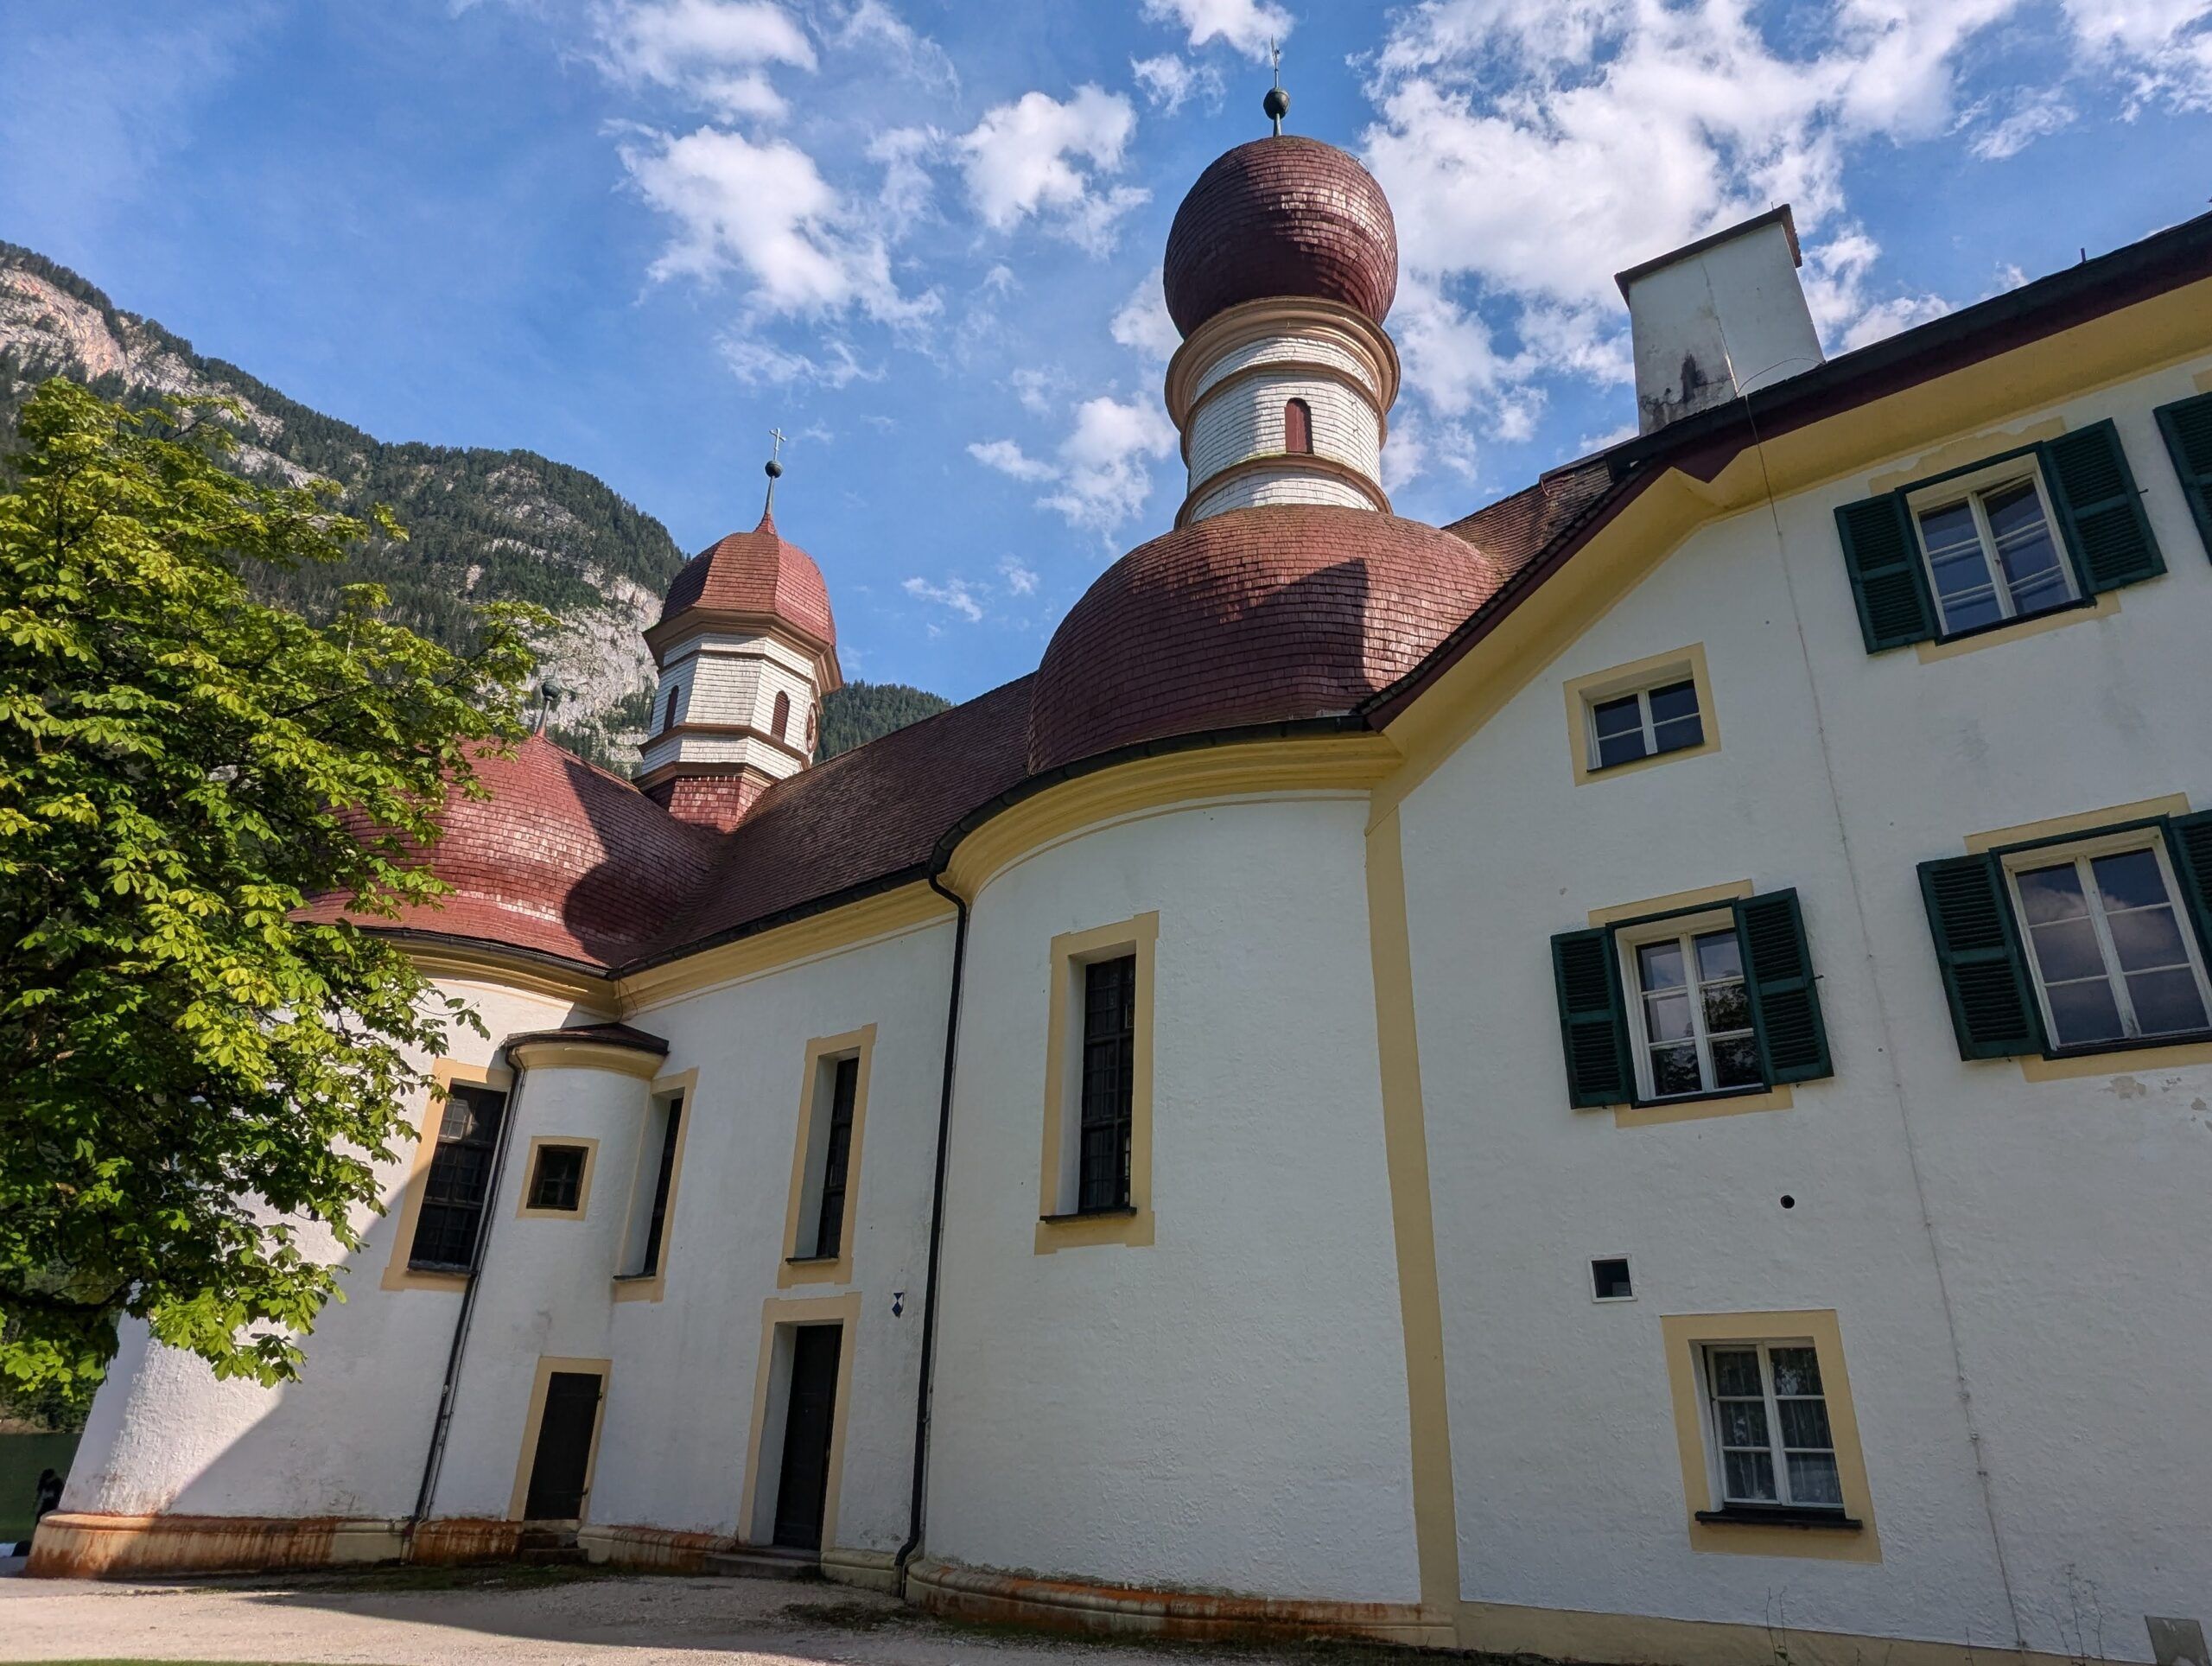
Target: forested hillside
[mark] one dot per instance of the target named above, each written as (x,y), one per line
(861,711)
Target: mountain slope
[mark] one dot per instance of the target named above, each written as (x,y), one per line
(484,525)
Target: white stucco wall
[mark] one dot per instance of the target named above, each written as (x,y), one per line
(1226,1407)
(2055,1207)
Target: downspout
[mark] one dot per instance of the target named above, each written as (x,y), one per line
(937,1244)
(478,1250)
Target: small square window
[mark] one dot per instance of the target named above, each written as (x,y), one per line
(2113,956)
(1991,549)
(1689,1009)
(558,1181)
(1609,1279)
(1644,722)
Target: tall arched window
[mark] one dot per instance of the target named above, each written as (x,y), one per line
(675,695)
(783,715)
(1297,427)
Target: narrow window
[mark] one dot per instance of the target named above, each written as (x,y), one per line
(1769,1427)
(1110,1029)
(1692,1013)
(1297,427)
(668,711)
(837,1157)
(1993,553)
(2110,951)
(783,721)
(1644,724)
(461,1172)
(664,1174)
(557,1182)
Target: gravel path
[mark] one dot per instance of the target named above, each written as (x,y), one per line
(398,1619)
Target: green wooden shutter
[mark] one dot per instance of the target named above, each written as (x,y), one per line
(2099,510)
(1590,1021)
(2190,839)
(2188,428)
(1785,999)
(1881,551)
(1985,974)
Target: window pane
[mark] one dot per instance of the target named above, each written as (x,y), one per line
(1682,732)
(2129,879)
(1805,1423)
(1674,1070)
(1813,1478)
(1748,1476)
(1659,965)
(2147,938)
(1674,701)
(2084,1012)
(1736,1063)
(1727,1007)
(2068,948)
(1735,1371)
(1719,954)
(2049,893)
(1796,1370)
(1960,568)
(1743,1422)
(1668,1016)
(2166,1002)
(1620,749)
(2025,549)
(1619,724)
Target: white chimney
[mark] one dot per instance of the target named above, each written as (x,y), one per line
(1718,318)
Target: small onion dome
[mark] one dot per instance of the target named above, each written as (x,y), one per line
(1281,216)
(756,573)
(1253,616)
(562,859)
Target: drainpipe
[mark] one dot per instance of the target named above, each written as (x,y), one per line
(936,1244)
(478,1250)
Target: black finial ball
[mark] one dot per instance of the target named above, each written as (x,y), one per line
(775,470)
(1277,104)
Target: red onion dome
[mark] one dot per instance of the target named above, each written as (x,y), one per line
(755,573)
(1252,616)
(1281,216)
(562,859)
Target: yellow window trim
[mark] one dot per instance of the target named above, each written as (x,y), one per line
(1584,692)
(1674,903)
(812,1105)
(2120,1061)
(547,1364)
(2089,821)
(1685,1333)
(1965,453)
(523,1212)
(843,1311)
(653,1288)
(445,1073)
(2103,606)
(1069,950)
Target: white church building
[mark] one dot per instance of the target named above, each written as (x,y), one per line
(1628,1078)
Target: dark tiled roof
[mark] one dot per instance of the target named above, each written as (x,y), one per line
(755,572)
(606,1035)
(1281,216)
(1514,529)
(1254,616)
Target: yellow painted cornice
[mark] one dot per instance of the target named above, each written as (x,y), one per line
(842,927)
(468,962)
(588,1055)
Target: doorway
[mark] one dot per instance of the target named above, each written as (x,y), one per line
(803,1488)
(560,1469)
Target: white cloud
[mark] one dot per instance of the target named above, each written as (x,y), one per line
(954,594)
(1099,472)
(1247,25)
(2032,118)
(874,24)
(1170,82)
(714,52)
(764,210)
(1040,157)
(907,187)
(1142,322)
(757,362)
(1020,581)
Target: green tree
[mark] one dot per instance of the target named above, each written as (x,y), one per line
(194,1081)
(860,712)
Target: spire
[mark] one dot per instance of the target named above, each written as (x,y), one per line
(774,471)
(1277,103)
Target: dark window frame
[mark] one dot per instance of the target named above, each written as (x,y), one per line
(649,1259)
(836,1157)
(569,1184)
(457,1189)
(1297,428)
(1106,1076)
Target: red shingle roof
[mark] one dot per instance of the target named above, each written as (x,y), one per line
(755,572)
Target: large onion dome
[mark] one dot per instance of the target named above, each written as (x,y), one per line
(1283,216)
(1254,616)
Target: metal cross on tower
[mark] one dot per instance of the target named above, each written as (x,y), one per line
(775,470)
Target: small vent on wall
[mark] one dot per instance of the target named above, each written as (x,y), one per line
(1609,1279)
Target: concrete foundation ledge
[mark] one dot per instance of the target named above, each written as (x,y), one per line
(83,1546)
(669,1549)
(872,1570)
(1497,1628)
(1077,1606)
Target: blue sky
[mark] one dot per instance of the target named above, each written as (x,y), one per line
(923,239)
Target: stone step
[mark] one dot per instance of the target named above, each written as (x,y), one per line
(764,1562)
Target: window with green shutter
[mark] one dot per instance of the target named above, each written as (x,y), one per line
(1690,1005)
(2027,532)
(2187,425)
(2085,943)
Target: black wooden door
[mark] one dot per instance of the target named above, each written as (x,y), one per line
(805,1484)
(557,1472)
